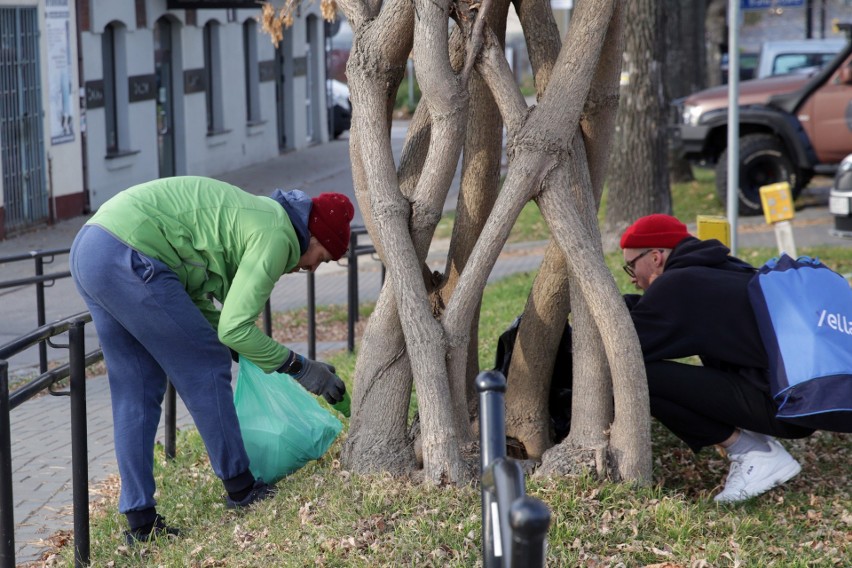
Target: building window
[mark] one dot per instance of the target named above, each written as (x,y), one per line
(213,76)
(252,71)
(115,89)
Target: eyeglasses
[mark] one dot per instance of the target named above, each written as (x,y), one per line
(630,267)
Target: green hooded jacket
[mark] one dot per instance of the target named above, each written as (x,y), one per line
(223,243)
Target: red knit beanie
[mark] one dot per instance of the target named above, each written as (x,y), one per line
(329,221)
(657,230)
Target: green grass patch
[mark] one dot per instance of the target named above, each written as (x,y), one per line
(326,516)
(698,197)
(530,226)
(690,199)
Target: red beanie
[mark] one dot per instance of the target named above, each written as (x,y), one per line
(657,230)
(329,221)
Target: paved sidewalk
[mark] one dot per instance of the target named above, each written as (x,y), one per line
(41,452)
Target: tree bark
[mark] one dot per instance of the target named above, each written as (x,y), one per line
(717,40)
(681,75)
(638,182)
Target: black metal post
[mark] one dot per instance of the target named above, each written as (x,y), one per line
(7,511)
(506,480)
(267,318)
(352,297)
(170,445)
(79,442)
(491,386)
(40,316)
(312,317)
(529,519)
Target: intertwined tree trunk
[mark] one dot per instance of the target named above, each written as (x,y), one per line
(421,332)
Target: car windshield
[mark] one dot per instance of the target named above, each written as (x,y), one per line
(796,62)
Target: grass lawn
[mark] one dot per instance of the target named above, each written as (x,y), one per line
(327,516)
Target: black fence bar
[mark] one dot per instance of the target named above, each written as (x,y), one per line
(353,301)
(33,279)
(492,445)
(48,379)
(267,318)
(352,296)
(79,443)
(504,479)
(514,526)
(170,445)
(7,513)
(312,317)
(42,347)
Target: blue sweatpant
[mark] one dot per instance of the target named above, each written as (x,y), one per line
(149,329)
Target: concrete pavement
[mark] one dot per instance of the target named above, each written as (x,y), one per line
(40,434)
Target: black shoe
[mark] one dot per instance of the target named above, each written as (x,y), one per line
(259,492)
(152,531)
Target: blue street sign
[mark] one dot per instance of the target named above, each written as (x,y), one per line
(766,4)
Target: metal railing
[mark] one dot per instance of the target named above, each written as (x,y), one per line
(75,370)
(514,525)
(41,281)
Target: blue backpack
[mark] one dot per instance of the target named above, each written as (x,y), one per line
(804,313)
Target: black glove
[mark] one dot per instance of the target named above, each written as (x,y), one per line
(317,377)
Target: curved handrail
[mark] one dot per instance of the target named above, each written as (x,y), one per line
(42,333)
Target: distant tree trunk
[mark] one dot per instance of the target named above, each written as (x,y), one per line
(681,75)
(717,40)
(638,181)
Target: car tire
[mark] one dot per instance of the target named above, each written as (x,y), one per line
(763,160)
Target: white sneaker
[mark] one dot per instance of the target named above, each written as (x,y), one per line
(753,473)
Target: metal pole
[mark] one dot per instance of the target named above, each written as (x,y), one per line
(733,119)
(42,345)
(491,386)
(267,317)
(507,482)
(7,512)
(79,443)
(171,421)
(312,317)
(492,423)
(352,312)
(529,519)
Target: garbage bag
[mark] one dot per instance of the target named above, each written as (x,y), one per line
(559,398)
(283,426)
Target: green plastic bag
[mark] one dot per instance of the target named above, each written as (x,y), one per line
(283,425)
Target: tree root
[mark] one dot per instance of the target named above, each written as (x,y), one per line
(566,459)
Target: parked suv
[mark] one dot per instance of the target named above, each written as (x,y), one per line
(778,57)
(792,127)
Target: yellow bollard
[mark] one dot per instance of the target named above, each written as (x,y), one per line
(714,227)
(778,210)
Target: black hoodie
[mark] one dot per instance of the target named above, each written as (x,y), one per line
(699,306)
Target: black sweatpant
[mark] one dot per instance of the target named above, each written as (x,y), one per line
(703,406)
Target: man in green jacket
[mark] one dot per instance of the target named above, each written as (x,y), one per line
(153,265)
